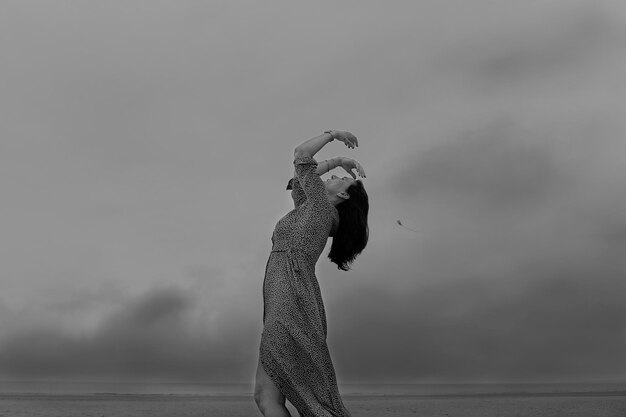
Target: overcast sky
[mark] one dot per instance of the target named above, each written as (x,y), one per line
(146,145)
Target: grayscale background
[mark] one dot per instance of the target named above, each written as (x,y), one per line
(145,147)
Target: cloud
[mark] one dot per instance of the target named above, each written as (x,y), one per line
(553,44)
(555,322)
(155,335)
(499,164)
(515,273)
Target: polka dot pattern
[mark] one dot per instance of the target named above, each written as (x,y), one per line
(293,350)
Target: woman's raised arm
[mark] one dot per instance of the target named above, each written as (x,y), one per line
(313,145)
(347,164)
(328,165)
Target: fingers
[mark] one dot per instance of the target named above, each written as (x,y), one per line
(361,171)
(353,164)
(359,168)
(353,140)
(349,143)
(348,139)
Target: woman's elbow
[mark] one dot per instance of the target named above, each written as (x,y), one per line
(300,152)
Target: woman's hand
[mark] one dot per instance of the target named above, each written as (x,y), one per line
(349,164)
(346,137)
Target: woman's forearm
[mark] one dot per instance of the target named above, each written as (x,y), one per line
(328,165)
(312,146)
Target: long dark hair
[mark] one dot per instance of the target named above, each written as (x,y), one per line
(351,236)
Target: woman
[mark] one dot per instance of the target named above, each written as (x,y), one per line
(294,362)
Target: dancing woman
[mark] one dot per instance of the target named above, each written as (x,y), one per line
(294,362)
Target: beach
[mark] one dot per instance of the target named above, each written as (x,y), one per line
(586,404)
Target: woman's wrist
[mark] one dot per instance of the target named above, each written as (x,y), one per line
(325,166)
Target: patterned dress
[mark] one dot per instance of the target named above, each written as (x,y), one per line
(293,349)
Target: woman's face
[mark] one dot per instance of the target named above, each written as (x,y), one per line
(335,185)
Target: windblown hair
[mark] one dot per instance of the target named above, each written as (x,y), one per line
(352,233)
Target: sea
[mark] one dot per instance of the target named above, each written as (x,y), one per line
(63,388)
